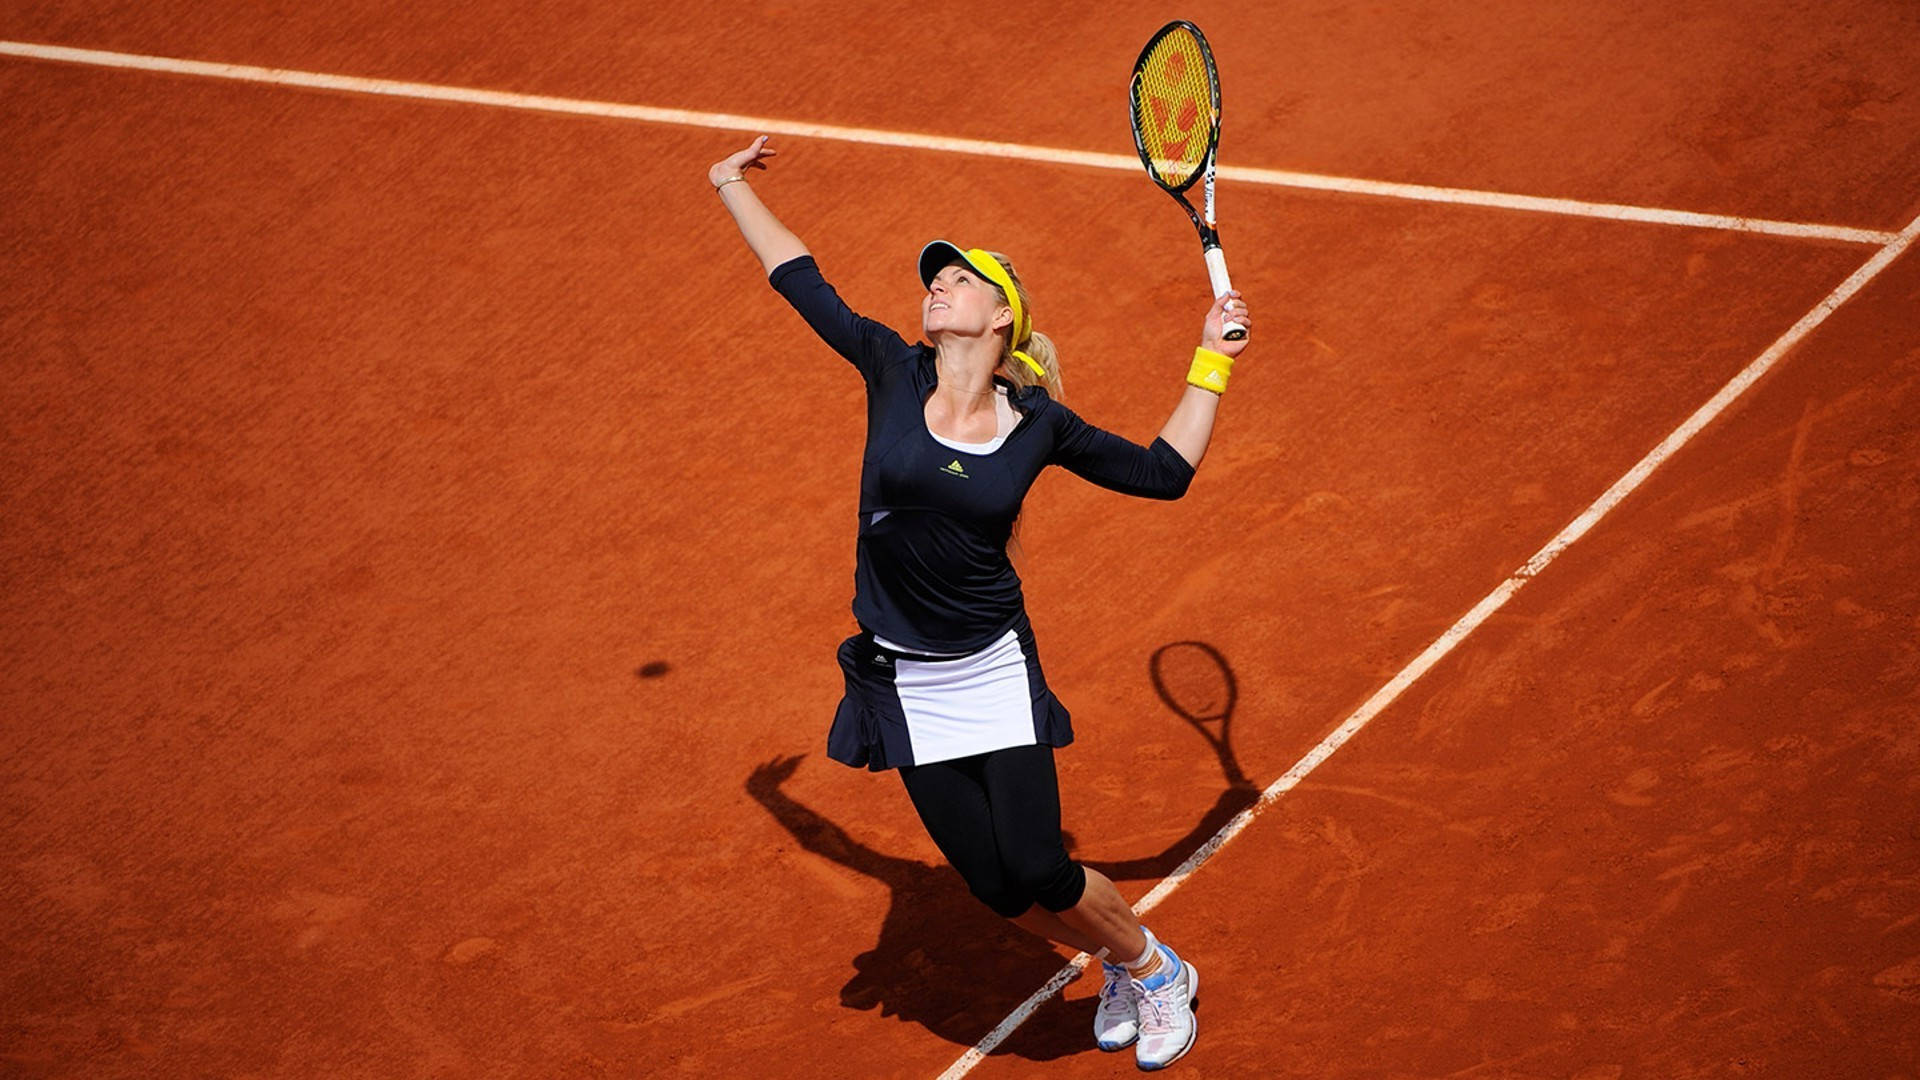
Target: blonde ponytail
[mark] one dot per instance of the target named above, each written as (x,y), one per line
(1038,345)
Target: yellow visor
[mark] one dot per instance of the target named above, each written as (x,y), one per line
(939,254)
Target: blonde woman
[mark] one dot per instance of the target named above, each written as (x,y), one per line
(943,682)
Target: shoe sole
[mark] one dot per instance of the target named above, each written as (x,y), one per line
(1193,1006)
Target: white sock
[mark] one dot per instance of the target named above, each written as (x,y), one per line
(1146,955)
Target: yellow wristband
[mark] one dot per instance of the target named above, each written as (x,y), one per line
(1210,370)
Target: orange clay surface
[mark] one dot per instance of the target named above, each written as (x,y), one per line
(425,540)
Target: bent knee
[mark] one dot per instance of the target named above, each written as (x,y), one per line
(1055,883)
(1008,903)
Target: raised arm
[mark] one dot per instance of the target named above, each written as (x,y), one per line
(869,345)
(1190,427)
(772,242)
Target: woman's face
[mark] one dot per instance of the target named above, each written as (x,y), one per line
(961,301)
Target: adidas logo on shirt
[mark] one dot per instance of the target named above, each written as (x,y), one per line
(953,469)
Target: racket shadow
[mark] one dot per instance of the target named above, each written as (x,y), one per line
(947,963)
(1195,683)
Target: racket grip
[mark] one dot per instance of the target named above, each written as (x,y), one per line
(1222,284)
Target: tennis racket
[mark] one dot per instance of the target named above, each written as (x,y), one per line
(1175,95)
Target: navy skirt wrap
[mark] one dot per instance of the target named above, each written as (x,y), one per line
(875,727)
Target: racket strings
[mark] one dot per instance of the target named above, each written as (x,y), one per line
(1174,110)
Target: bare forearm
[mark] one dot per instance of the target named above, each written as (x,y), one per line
(771,242)
(1190,427)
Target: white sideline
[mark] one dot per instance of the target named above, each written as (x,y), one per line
(1454,634)
(939,143)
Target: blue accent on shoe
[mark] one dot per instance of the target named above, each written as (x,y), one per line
(1169,970)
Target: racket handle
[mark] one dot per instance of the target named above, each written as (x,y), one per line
(1217,273)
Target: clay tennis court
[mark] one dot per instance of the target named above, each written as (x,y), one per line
(425,540)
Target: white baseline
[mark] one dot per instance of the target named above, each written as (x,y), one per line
(938,143)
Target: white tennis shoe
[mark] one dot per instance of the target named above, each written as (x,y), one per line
(1167,1023)
(1116,1023)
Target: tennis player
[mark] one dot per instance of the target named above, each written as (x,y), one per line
(943,682)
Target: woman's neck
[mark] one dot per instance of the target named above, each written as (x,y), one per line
(966,370)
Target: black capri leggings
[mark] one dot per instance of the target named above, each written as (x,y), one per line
(996,817)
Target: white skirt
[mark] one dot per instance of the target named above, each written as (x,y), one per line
(965,705)
(904,707)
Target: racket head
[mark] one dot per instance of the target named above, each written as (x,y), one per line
(1174,97)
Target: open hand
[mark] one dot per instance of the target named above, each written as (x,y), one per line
(753,157)
(1227,308)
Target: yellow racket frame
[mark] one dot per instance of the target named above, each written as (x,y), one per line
(1176,105)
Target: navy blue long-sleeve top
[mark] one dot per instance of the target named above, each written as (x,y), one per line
(931,571)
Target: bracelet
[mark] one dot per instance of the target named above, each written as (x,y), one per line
(1210,370)
(729,180)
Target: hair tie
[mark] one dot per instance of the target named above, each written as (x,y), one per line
(1030,362)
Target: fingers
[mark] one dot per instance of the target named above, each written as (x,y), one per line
(1233,309)
(1229,310)
(750,157)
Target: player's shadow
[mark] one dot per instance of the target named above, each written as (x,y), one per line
(943,960)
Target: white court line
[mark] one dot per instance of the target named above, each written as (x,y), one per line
(1894,244)
(1456,633)
(939,143)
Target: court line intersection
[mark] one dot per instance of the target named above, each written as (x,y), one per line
(1891,246)
(354,84)
(1467,623)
